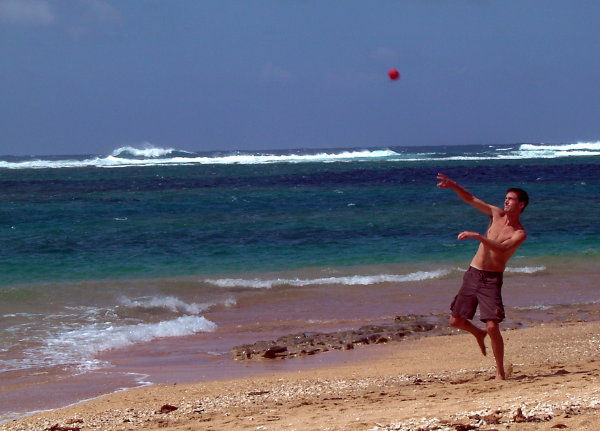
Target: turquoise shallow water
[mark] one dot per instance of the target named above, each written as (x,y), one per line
(100,253)
(82,223)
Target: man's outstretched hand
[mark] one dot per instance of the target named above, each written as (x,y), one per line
(445,181)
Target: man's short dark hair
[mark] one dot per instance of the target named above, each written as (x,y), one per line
(521,195)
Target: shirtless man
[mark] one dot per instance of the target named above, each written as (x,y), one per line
(483,281)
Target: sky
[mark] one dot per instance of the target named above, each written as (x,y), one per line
(91,76)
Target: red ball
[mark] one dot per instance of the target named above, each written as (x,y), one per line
(393,74)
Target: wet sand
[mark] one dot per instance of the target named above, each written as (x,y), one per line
(440,382)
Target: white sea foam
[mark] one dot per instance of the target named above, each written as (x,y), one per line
(526,269)
(539,307)
(170,303)
(580,146)
(77,347)
(354,280)
(230,302)
(544,151)
(150,155)
(147,152)
(524,151)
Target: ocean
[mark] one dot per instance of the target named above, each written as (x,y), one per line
(149,264)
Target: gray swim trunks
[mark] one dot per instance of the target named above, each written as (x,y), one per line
(481,288)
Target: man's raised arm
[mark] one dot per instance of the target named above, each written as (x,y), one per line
(448,183)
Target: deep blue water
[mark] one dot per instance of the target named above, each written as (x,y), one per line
(90,222)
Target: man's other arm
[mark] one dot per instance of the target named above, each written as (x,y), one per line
(508,244)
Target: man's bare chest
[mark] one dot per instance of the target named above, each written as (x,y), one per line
(499,231)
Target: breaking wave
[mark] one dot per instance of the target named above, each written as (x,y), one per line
(526,269)
(153,156)
(354,280)
(170,303)
(76,348)
(150,155)
(146,153)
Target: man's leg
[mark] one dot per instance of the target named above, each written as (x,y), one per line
(464,324)
(493,330)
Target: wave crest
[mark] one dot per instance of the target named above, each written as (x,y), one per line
(545,151)
(170,303)
(354,280)
(148,152)
(526,269)
(149,155)
(155,156)
(580,146)
(77,347)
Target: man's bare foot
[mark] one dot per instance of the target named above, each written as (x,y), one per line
(500,376)
(480,337)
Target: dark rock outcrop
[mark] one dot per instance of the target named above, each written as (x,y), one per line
(310,343)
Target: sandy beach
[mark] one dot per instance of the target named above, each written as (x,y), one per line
(432,383)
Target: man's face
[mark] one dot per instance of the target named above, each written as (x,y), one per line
(511,203)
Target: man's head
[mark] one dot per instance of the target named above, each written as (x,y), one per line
(516,196)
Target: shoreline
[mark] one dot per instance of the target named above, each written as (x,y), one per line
(148,366)
(282,312)
(415,384)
